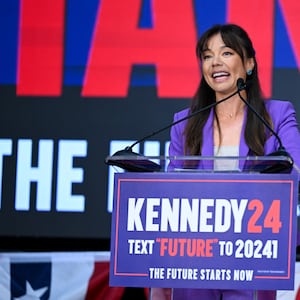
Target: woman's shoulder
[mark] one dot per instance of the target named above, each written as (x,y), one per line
(275,106)
(273,103)
(280,111)
(181,114)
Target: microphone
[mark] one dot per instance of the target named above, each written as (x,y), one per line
(278,166)
(140,163)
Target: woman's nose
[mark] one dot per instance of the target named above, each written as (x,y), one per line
(216,60)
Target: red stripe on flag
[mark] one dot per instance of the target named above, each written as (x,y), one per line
(98,288)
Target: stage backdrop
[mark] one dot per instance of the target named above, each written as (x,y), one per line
(82,79)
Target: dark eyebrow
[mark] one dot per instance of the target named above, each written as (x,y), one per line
(207,49)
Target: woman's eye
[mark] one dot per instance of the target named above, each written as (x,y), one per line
(227,53)
(206,57)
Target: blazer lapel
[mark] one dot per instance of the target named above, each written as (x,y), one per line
(244,149)
(208,142)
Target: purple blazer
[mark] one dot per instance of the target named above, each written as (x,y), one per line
(285,124)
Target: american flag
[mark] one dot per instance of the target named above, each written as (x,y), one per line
(72,276)
(56,276)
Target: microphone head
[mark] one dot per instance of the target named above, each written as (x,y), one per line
(241,84)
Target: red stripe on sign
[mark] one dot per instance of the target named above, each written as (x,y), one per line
(291,10)
(257,18)
(40,57)
(118,44)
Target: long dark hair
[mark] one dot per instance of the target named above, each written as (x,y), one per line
(237,39)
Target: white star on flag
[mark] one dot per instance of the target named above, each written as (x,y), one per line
(32,294)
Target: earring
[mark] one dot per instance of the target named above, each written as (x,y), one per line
(249,72)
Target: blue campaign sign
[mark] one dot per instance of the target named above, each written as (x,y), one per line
(193,230)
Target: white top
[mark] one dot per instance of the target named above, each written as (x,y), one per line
(226,164)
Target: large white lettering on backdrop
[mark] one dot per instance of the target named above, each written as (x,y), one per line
(42,173)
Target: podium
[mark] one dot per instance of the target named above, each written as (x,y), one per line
(178,223)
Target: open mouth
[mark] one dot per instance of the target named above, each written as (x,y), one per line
(220,74)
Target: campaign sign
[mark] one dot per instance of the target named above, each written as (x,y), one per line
(197,230)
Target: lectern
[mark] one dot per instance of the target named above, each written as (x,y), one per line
(178,223)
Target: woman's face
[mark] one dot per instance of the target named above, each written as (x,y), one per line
(222,66)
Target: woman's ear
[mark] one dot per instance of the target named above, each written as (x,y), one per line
(250,64)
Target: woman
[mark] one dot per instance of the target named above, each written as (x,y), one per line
(230,128)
